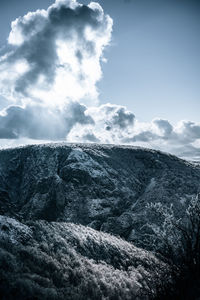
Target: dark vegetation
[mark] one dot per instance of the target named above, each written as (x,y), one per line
(43,260)
(178,240)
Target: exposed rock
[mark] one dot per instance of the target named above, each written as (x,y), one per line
(106,187)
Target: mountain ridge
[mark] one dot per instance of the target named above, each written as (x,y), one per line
(106,187)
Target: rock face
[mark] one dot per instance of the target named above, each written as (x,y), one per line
(105,187)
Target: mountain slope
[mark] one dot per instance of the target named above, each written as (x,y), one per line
(106,187)
(51,260)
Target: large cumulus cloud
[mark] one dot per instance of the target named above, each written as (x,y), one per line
(49,68)
(54,55)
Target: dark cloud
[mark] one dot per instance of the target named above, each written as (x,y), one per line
(116,116)
(36,122)
(76,113)
(144,136)
(189,131)
(165,127)
(123,118)
(40,50)
(90,137)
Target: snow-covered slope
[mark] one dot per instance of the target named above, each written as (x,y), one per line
(106,187)
(55,261)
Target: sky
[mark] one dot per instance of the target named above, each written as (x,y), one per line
(134,78)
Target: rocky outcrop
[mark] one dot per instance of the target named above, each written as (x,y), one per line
(103,186)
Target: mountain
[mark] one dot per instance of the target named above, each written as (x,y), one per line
(105,187)
(71,215)
(55,261)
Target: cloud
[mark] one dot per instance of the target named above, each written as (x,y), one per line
(55,54)
(115,124)
(188,132)
(106,123)
(164,127)
(37,122)
(111,122)
(48,76)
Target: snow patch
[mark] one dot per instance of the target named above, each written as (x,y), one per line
(81,160)
(13,230)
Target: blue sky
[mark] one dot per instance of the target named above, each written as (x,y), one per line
(55,83)
(153,62)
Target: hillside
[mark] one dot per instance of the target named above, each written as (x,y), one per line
(51,260)
(103,186)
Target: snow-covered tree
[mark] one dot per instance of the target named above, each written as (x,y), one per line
(176,239)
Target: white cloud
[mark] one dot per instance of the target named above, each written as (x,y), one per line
(115,124)
(106,123)
(56,54)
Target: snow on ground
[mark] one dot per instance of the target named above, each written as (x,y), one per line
(13,230)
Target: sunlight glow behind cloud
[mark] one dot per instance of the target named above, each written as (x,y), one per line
(49,76)
(61,49)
